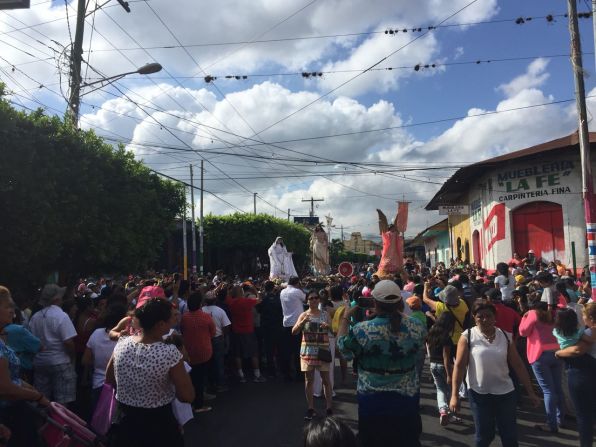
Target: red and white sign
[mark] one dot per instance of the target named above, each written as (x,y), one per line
(346,269)
(494,226)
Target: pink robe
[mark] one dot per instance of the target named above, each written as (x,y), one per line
(392,257)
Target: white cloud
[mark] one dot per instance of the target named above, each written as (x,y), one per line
(535,76)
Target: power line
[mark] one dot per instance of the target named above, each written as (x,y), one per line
(549,18)
(380,61)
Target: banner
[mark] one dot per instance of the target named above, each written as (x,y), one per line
(402,216)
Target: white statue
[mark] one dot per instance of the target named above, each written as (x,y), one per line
(282,266)
(319,245)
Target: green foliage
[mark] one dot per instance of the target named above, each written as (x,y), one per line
(253,235)
(71,203)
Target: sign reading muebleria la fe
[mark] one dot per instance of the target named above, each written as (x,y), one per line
(538,181)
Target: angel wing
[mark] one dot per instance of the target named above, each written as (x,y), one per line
(383,226)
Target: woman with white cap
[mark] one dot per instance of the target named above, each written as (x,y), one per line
(386,348)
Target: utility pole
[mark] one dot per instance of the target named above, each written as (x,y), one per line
(192,223)
(201,227)
(584,139)
(254,203)
(288,214)
(76,58)
(593,28)
(312,204)
(184,242)
(342,233)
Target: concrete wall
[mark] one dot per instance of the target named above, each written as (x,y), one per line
(551,178)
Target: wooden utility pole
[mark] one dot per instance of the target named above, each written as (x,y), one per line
(584,139)
(312,204)
(76,59)
(184,241)
(201,226)
(192,223)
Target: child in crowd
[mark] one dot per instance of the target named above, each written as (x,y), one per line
(328,432)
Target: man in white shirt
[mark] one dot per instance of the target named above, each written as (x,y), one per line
(55,375)
(222,332)
(292,304)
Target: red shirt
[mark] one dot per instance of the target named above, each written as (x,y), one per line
(241,314)
(507,319)
(197,330)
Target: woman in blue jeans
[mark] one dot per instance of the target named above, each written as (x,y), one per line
(537,325)
(485,352)
(441,352)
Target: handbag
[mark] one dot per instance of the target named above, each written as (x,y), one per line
(104,410)
(324,355)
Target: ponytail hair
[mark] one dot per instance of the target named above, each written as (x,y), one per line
(393,311)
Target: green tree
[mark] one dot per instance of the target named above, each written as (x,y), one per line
(73,204)
(233,242)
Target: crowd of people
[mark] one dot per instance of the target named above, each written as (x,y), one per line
(158,349)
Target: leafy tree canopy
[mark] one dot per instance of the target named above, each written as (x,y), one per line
(255,233)
(71,203)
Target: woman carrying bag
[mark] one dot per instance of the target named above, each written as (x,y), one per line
(486,353)
(315,355)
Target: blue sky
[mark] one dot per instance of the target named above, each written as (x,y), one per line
(169,109)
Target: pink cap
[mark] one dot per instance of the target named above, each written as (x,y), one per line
(148,293)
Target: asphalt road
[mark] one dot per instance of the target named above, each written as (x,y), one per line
(271,414)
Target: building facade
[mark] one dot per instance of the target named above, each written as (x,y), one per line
(525,200)
(358,245)
(437,247)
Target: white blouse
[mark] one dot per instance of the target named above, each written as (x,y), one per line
(142,373)
(488,369)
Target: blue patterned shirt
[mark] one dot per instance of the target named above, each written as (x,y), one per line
(14,364)
(386,361)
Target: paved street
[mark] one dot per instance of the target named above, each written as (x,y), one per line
(271,414)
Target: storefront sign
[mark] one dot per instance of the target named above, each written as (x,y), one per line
(535,181)
(453,210)
(476,211)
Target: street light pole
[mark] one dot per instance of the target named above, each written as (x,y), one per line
(76,60)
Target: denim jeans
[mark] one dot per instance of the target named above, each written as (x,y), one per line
(548,371)
(443,390)
(490,410)
(582,391)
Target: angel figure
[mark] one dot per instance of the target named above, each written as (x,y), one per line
(392,258)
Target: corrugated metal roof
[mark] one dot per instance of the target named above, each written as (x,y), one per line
(459,182)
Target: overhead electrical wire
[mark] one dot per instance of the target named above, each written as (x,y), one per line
(549,18)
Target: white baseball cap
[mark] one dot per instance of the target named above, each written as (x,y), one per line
(385,289)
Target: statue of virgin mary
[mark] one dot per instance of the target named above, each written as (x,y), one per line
(280,259)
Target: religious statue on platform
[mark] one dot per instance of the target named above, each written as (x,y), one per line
(282,266)
(392,258)
(319,244)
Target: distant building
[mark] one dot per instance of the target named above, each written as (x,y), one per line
(358,245)
(435,240)
(529,199)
